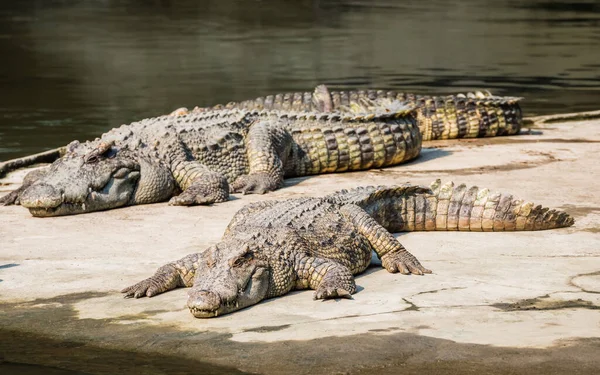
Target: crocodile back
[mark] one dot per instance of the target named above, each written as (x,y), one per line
(470,115)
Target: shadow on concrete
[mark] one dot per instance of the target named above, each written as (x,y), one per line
(9,265)
(429,153)
(52,337)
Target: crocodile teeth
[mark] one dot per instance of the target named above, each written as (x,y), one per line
(93,195)
(90,190)
(83,206)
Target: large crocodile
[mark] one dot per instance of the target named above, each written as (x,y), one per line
(478,114)
(253,149)
(440,117)
(273,247)
(201,154)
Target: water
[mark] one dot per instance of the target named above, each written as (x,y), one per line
(74,69)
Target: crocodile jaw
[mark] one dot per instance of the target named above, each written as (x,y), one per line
(208,304)
(43,201)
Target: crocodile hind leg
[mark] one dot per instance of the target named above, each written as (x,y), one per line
(199,184)
(167,277)
(329,279)
(266,148)
(31,177)
(394,257)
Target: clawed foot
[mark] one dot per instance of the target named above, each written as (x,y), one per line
(10,198)
(336,284)
(145,288)
(332,292)
(31,177)
(403,262)
(256,183)
(200,194)
(184,199)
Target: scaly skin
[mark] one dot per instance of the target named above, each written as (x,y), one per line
(202,154)
(439,117)
(273,247)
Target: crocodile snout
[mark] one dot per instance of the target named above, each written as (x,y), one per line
(203,302)
(41,196)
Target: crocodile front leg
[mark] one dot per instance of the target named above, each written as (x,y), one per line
(167,277)
(329,279)
(266,147)
(200,185)
(31,177)
(394,257)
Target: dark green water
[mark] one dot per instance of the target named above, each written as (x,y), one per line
(74,69)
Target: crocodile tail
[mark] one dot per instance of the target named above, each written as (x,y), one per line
(455,208)
(467,116)
(475,209)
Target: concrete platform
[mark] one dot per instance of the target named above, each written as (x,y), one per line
(497,302)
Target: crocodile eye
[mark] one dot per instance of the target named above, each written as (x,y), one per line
(92,157)
(104,148)
(239,262)
(243,259)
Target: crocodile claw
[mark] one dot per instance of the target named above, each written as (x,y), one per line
(11,198)
(330,293)
(201,194)
(145,288)
(189,200)
(256,183)
(403,262)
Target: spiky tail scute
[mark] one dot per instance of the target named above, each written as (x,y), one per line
(451,208)
(475,209)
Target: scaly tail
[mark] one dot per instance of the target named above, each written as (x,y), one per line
(29,160)
(452,208)
(472,209)
(467,116)
(478,114)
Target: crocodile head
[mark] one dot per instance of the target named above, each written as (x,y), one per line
(103,178)
(231,278)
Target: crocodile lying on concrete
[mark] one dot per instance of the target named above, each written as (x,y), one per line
(200,154)
(440,117)
(273,247)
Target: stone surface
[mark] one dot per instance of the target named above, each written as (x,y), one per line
(497,302)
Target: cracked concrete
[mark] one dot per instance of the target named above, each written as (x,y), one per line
(497,302)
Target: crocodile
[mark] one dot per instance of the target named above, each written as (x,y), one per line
(198,158)
(272,247)
(478,114)
(250,149)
